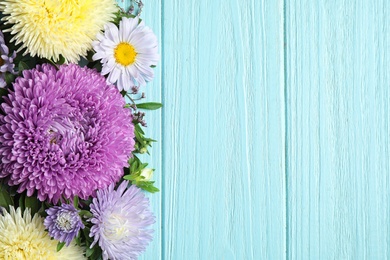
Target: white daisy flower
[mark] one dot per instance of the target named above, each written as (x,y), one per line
(127,53)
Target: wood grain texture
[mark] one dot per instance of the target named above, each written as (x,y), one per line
(338,132)
(258,94)
(152,18)
(223,130)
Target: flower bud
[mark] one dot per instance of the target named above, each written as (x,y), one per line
(147,173)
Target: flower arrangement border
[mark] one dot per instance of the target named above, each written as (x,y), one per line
(72,121)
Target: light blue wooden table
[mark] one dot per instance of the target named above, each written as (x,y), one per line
(274,137)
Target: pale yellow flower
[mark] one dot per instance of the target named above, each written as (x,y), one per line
(51,28)
(25,238)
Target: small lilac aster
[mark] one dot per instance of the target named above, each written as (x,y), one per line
(6,62)
(64,133)
(120,222)
(63,223)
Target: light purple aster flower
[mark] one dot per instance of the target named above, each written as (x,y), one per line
(120,222)
(6,62)
(64,133)
(63,223)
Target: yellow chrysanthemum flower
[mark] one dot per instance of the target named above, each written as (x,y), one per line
(24,238)
(48,28)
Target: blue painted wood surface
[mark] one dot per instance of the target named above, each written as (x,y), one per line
(274,136)
(338,129)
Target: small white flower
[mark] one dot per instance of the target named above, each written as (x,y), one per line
(127,53)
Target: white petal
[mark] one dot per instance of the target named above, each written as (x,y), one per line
(124,29)
(112,32)
(147,59)
(134,23)
(147,72)
(138,77)
(106,70)
(98,56)
(119,83)
(114,75)
(133,29)
(125,81)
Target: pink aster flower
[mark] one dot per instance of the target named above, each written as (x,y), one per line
(64,133)
(120,222)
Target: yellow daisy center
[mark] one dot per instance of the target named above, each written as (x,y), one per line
(125,54)
(1,62)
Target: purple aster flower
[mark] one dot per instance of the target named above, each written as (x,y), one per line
(120,221)
(6,62)
(63,223)
(64,133)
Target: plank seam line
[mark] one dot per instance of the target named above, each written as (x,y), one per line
(285,93)
(162,213)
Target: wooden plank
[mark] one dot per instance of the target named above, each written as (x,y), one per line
(223,130)
(338,131)
(152,18)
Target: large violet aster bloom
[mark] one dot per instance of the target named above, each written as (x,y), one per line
(6,62)
(63,222)
(64,133)
(120,222)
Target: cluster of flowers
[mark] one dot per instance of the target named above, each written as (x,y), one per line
(70,130)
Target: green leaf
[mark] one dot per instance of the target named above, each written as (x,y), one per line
(135,158)
(78,240)
(90,55)
(143,166)
(89,252)
(150,140)
(139,138)
(130,177)
(60,245)
(85,213)
(76,202)
(61,60)
(12,191)
(98,66)
(22,66)
(32,203)
(119,15)
(3,92)
(5,198)
(97,252)
(41,210)
(9,78)
(133,167)
(86,231)
(21,202)
(139,129)
(149,105)
(147,186)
